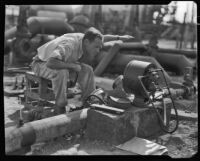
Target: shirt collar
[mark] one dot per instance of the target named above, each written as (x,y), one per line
(80,48)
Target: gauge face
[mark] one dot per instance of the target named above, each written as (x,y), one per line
(132,83)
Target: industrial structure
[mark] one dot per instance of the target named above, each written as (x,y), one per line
(140,99)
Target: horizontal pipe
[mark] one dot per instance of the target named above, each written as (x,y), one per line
(114,49)
(43,130)
(175,63)
(42,25)
(132,45)
(125,46)
(190,54)
(47,25)
(172,62)
(119,62)
(58,8)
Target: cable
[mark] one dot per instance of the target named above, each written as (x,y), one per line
(176,113)
(92,95)
(161,121)
(158,114)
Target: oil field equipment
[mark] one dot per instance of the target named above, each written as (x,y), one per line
(142,85)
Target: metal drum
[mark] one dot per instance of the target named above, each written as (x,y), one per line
(131,82)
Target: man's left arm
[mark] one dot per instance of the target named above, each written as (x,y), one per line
(117,37)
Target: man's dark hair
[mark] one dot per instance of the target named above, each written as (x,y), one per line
(92,33)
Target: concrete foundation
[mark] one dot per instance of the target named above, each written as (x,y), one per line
(117,129)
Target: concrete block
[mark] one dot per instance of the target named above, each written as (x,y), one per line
(116,129)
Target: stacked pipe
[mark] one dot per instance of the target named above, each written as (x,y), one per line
(115,61)
(135,50)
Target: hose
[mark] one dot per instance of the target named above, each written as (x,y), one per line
(89,97)
(158,114)
(161,120)
(176,112)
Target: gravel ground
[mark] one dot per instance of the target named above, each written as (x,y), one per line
(181,144)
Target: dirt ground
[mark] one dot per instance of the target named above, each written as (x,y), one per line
(181,144)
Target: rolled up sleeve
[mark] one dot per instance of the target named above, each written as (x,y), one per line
(62,52)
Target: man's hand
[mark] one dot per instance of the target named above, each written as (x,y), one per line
(76,67)
(126,37)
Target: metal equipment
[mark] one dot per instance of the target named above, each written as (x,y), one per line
(143,80)
(142,86)
(39,94)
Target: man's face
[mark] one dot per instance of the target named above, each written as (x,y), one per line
(93,47)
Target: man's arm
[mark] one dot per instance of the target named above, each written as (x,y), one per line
(62,52)
(54,63)
(117,37)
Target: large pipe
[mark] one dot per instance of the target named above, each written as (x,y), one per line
(119,62)
(42,25)
(55,8)
(187,53)
(45,129)
(175,63)
(171,62)
(102,65)
(138,46)
(61,8)
(47,25)
(114,48)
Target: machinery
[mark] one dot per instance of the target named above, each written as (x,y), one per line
(110,115)
(141,86)
(22,41)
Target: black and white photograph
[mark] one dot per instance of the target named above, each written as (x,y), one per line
(104,79)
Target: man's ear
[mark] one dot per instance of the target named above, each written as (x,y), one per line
(86,42)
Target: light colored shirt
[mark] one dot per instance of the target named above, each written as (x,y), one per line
(67,48)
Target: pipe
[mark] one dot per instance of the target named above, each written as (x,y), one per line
(45,129)
(106,60)
(175,63)
(132,46)
(168,61)
(138,46)
(61,8)
(189,54)
(114,48)
(119,62)
(67,9)
(44,25)
(10,33)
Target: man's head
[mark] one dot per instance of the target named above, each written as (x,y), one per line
(92,42)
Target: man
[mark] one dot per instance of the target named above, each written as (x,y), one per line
(57,58)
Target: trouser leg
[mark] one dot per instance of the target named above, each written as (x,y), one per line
(86,80)
(59,83)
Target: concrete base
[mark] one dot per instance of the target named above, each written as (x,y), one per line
(116,129)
